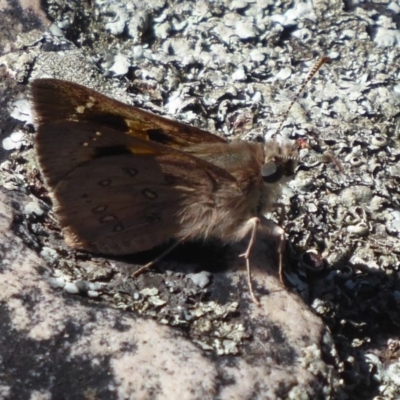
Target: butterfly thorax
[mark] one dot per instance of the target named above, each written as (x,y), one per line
(231,206)
(243,160)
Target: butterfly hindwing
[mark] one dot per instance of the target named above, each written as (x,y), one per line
(118,194)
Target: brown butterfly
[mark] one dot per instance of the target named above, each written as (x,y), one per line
(125,180)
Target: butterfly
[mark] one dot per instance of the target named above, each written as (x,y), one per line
(124,180)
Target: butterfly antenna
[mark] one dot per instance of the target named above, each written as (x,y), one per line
(327,158)
(314,70)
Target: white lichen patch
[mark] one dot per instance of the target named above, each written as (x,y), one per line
(234,68)
(15,141)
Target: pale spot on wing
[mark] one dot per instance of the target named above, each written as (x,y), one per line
(184,188)
(99,209)
(118,228)
(80,109)
(149,194)
(105,182)
(107,218)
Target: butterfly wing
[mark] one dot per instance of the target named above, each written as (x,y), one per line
(68,101)
(118,194)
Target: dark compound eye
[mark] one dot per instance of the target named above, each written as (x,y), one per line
(271,172)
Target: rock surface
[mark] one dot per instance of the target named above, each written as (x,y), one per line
(77,326)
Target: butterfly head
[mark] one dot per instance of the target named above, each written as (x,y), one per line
(280,161)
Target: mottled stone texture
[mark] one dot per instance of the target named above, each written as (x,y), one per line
(232,68)
(62,346)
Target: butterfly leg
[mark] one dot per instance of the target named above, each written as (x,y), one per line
(252,225)
(280,233)
(156,260)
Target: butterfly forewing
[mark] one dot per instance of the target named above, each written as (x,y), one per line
(66,101)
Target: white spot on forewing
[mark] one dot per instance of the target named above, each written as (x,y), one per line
(91,102)
(80,109)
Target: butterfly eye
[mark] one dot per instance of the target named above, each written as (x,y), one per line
(271,172)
